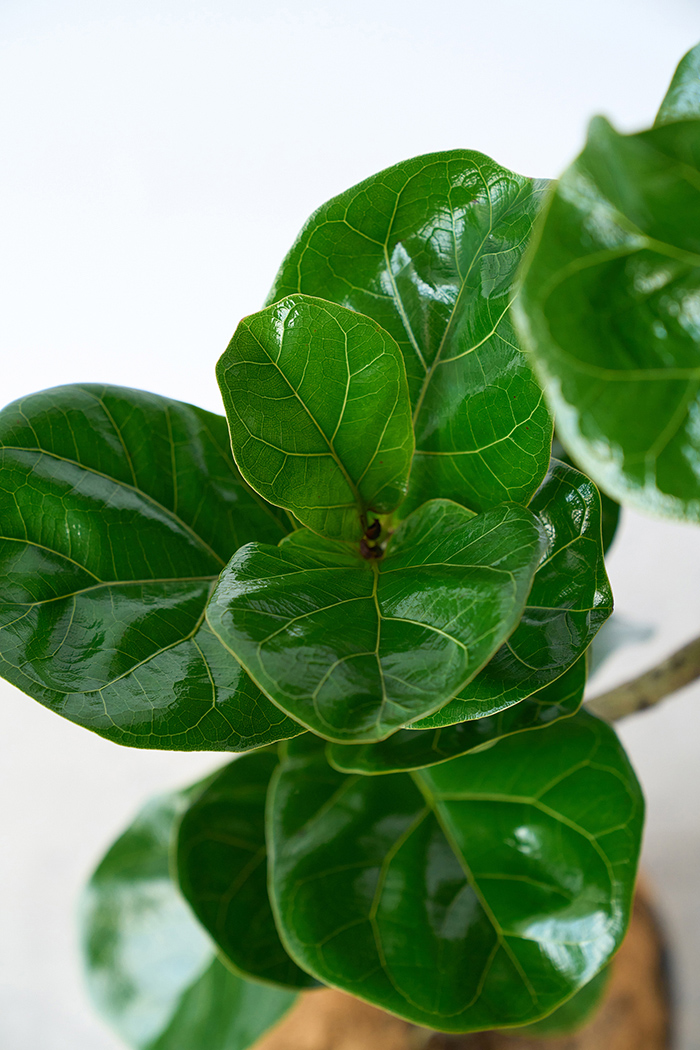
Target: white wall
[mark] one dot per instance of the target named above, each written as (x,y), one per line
(157,159)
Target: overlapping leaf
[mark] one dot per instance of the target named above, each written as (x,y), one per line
(319,413)
(222,868)
(408,749)
(609,309)
(152,971)
(569,601)
(610,509)
(429,249)
(682,101)
(479,893)
(355,649)
(119,508)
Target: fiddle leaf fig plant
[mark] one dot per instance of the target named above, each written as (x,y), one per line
(375,583)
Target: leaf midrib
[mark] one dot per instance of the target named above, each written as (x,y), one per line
(432,803)
(453,312)
(190,636)
(328,441)
(122,484)
(107,583)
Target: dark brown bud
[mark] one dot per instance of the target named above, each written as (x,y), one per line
(368,551)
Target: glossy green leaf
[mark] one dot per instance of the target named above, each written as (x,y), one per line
(569,601)
(608,308)
(119,509)
(319,413)
(574,1013)
(682,101)
(152,971)
(408,749)
(222,868)
(429,249)
(610,509)
(355,649)
(479,893)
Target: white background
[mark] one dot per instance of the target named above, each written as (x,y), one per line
(157,159)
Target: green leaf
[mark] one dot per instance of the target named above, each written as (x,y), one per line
(429,249)
(408,749)
(319,413)
(610,509)
(682,101)
(119,509)
(479,893)
(152,971)
(574,1013)
(222,868)
(355,649)
(608,310)
(569,601)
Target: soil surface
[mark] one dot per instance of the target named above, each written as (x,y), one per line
(635,1014)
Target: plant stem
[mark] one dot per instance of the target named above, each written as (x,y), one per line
(640,693)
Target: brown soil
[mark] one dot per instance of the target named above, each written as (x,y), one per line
(634,1015)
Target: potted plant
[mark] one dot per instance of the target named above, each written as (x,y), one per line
(374,583)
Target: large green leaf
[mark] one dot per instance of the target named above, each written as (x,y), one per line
(222,868)
(152,971)
(429,249)
(119,509)
(319,413)
(408,749)
(569,601)
(479,893)
(609,309)
(355,649)
(682,101)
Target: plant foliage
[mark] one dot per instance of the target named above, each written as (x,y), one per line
(119,510)
(608,306)
(152,970)
(472,870)
(375,578)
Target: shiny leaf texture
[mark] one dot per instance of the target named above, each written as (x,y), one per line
(479,893)
(574,1013)
(319,413)
(608,308)
(355,649)
(682,101)
(152,971)
(408,749)
(119,509)
(222,868)
(611,511)
(429,248)
(569,602)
